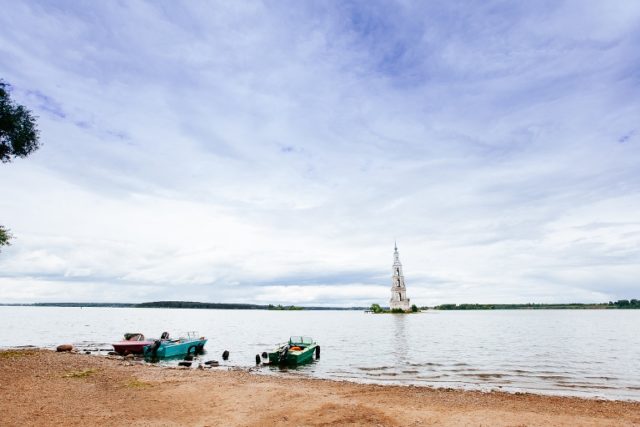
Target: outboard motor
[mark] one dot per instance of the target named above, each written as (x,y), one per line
(153,349)
(282,357)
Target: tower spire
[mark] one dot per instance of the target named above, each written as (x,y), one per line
(399,298)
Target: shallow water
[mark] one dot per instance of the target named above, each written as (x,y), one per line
(588,353)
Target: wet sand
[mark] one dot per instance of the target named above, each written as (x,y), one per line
(41,387)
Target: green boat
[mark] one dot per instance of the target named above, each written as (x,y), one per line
(166,347)
(295,352)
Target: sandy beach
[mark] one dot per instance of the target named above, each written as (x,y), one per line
(41,387)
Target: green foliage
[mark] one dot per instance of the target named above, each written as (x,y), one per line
(203,305)
(136,383)
(18,136)
(376,308)
(188,304)
(14,354)
(80,374)
(446,307)
(623,304)
(18,131)
(283,307)
(5,236)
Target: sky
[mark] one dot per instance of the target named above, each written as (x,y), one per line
(272,152)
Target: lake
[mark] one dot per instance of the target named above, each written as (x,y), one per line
(587,353)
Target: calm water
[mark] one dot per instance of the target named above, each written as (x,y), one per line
(589,353)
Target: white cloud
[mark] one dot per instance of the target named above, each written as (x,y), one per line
(245,153)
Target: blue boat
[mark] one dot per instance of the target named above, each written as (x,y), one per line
(166,347)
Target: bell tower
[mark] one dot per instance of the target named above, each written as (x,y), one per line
(398,290)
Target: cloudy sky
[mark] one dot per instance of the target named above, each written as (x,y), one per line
(271,152)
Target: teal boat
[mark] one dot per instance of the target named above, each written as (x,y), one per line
(295,352)
(166,347)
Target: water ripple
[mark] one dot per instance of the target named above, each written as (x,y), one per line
(588,353)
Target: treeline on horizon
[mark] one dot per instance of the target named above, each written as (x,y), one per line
(620,304)
(232,306)
(185,304)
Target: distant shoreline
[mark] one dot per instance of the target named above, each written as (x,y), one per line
(620,304)
(182,304)
(615,305)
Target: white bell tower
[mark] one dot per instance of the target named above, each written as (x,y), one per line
(398,290)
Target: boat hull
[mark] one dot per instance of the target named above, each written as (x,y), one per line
(168,349)
(293,357)
(130,347)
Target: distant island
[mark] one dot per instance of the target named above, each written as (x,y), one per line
(377,309)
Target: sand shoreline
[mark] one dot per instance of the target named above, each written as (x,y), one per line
(41,387)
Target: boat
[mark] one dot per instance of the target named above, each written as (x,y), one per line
(133,343)
(166,347)
(297,351)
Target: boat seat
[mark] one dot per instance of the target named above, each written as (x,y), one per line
(133,337)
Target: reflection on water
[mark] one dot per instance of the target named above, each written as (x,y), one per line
(591,353)
(399,340)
